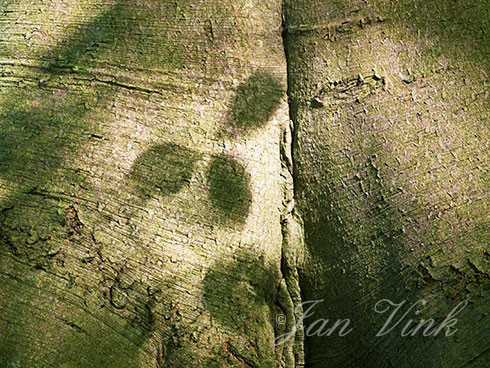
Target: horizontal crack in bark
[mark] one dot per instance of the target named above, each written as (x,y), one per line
(334,29)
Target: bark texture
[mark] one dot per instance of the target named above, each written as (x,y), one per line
(390,105)
(158,208)
(140,183)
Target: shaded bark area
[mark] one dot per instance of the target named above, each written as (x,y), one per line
(141,193)
(390,106)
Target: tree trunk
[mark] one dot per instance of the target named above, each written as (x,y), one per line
(158,207)
(390,104)
(140,183)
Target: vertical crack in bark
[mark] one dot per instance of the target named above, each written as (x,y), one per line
(291,346)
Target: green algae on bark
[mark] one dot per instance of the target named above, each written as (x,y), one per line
(92,94)
(390,138)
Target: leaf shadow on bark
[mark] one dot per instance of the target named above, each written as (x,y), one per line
(239,293)
(229,189)
(254,104)
(41,127)
(166,169)
(162,170)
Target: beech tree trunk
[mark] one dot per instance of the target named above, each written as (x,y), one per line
(178,177)
(390,104)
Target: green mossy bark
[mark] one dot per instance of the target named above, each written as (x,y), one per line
(390,105)
(149,205)
(140,187)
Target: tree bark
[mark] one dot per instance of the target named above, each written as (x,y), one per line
(390,105)
(176,178)
(140,183)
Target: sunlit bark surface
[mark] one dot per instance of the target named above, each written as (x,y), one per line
(140,186)
(177,176)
